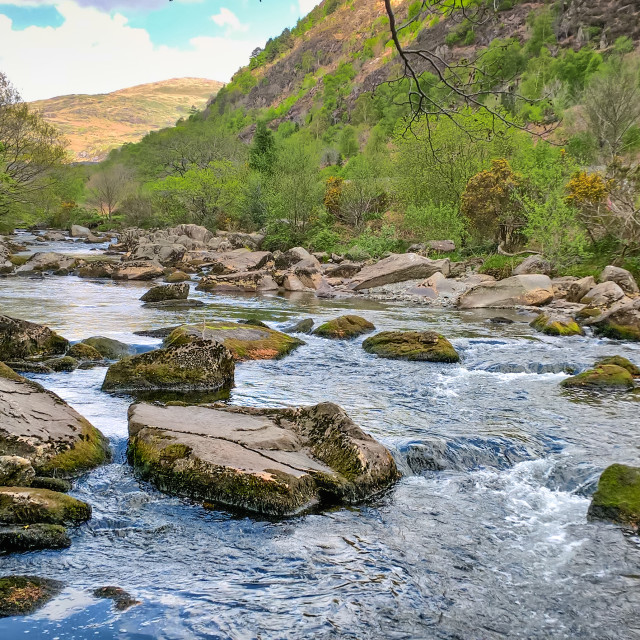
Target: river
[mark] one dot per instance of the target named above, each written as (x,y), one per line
(484,537)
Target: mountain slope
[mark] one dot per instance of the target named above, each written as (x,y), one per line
(95,124)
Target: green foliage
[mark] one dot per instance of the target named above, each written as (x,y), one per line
(433,221)
(376,243)
(262,152)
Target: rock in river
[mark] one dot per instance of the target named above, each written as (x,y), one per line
(618,496)
(271,461)
(534,290)
(21,595)
(27,505)
(246,342)
(108,347)
(426,346)
(161,293)
(21,339)
(198,365)
(37,425)
(606,377)
(344,328)
(555,324)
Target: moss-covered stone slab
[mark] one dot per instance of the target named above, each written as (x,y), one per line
(617,498)
(20,339)
(66,363)
(619,322)
(198,365)
(34,537)
(84,353)
(620,362)
(109,348)
(246,342)
(269,461)
(161,293)
(302,326)
(344,328)
(557,325)
(38,425)
(607,377)
(27,505)
(16,472)
(22,595)
(425,346)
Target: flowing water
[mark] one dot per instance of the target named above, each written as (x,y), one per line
(485,536)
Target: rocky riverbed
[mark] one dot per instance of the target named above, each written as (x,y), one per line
(486,534)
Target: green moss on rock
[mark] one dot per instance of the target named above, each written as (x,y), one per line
(618,496)
(66,363)
(620,362)
(426,346)
(34,537)
(9,374)
(344,328)
(22,505)
(618,331)
(82,351)
(22,595)
(109,348)
(608,377)
(557,326)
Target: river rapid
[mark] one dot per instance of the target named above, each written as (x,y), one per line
(485,536)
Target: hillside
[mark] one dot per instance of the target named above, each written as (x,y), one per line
(95,124)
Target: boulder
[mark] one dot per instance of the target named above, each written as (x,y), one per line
(603,295)
(303,326)
(441,246)
(579,289)
(533,265)
(37,425)
(556,324)
(66,363)
(240,260)
(244,282)
(46,262)
(16,471)
(21,339)
(529,290)
(177,276)
(26,505)
(619,322)
(79,232)
(345,269)
(108,347)
(200,365)
(562,285)
(606,377)
(84,352)
(344,328)
(35,537)
(620,362)
(270,461)
(93,239)
(163,252)
(55,236)
(291,282)
(121,599)
(164,292)
(193,231)
(97,269)
(137,270)
(243,341)
(424,346)
(398,268)
(621,277)
(295,256)
(617,498)
(53,484)
(22,595)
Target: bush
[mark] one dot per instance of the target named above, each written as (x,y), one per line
(377,244)
(324,239)
(499,266)
(435,222)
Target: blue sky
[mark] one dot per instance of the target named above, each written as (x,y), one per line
(56,47)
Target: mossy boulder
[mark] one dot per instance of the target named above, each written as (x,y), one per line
(66,363)
(177,276)
(84,352)
(38,425)
(27,505)
(53,484)
(22,595)
(109,348)
(197,365)
(344,328)
(606,377)
(16,471)
(246,342)
(619,322)
(620,362)
(303,326)
(20,339)
(617,498)
(426,346)
(557,325)
(34,537)
(270,461)
(162,293)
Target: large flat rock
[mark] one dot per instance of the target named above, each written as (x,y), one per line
(270,461)
(524,290)
(38,425)
(21,339)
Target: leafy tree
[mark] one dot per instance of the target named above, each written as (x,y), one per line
(262,155)
(349,141)
(108,187)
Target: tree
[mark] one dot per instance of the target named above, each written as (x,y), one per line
(262,154)
(108,187)
(29,149)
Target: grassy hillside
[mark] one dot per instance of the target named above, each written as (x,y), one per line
(95,124)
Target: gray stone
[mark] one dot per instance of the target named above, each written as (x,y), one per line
(178,291)
(526,290)
(533,265)
(603,295)
(621,277)
(16,471)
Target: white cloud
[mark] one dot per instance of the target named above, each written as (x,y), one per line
(227,18)
(94,52)
(307,5)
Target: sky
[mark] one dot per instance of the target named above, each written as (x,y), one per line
(56,47)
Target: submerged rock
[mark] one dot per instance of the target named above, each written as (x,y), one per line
(271,461)
(21,339)
(198,365)
(617,498)
(554,324)
(426,346)
(620,362)
(22,595)
(246,342)
(35,537)
(109,348)
(27,505)
(38,425)
(344,328)
(303,326)
(533,290)
(121,599)
(607,377)
(165,292)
